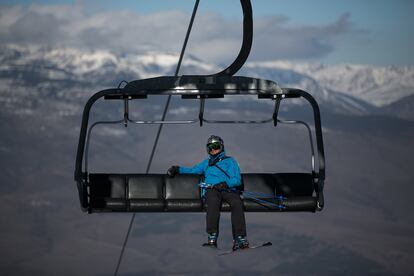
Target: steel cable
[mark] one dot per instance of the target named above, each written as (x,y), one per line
(159,129)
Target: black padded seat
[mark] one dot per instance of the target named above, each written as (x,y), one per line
(182,194)
(146,192)
(298,188)
(146,205)
(262,183)
(145,186)
(159,193)
(115,204)
(183,205)
(301,203)
(294,184)
(108,191)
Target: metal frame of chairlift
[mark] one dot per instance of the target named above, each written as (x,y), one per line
(202,88)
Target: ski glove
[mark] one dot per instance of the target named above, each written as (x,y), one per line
(173,171)
(222,186)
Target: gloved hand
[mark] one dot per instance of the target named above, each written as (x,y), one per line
(221,186)
(173,171)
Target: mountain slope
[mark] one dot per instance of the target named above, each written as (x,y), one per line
(402,108)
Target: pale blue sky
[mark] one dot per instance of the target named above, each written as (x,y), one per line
(376,32)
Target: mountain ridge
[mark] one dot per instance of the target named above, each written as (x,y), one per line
(48,71)
(373,84)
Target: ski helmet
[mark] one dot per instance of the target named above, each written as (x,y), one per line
(214,142)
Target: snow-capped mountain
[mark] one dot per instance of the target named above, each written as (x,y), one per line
(29,74)
(327,98)
(376,85)
(93,65)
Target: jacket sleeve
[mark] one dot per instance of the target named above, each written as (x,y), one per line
(197,169)
(234,173)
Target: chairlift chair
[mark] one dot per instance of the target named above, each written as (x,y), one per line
(148,192)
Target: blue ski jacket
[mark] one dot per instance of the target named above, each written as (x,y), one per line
(213,175)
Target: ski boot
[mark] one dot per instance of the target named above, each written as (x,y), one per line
(212,240)
(240,242)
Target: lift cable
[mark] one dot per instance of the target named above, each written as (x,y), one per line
(159,129)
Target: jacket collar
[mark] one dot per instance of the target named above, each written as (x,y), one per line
(218,156)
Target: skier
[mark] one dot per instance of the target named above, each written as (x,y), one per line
(221,181)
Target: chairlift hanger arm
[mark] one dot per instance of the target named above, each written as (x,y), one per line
(247,41)
(211,85)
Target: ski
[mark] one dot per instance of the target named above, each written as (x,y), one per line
(247,248)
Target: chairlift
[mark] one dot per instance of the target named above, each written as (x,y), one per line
(149,192)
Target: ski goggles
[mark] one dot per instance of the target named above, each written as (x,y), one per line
(213,146)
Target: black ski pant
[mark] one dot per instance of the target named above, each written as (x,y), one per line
(213,200)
